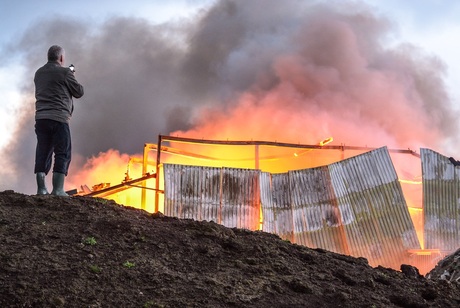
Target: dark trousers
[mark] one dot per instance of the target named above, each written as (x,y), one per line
(52,137)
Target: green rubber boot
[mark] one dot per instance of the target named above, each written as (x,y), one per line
(58,184)
(41,185)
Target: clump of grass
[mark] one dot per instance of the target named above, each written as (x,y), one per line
(95,269)
(152,304)
(128,264)
(91,241)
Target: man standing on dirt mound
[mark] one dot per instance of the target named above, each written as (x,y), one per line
(55,86)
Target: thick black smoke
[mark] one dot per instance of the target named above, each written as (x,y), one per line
(143,79)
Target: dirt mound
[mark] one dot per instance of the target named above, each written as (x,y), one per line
(89,252)
(447,269)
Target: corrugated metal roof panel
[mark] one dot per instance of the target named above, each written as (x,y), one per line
(284,222)
(240,198)
(441,201)
(268,209)
(316,215)
(225,195)
(355,206)
(192,192)
(374,213)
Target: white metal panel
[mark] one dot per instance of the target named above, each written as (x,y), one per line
(268,207)
(316,215)
(441,195)
(240,198)
(284,223)
(227,196)
(192,192)
(355,206)
(379,227)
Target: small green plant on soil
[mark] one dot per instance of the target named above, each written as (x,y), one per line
(152,304)
(95,269)
(90,241)
(128,264)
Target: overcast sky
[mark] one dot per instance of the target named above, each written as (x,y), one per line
(432,26)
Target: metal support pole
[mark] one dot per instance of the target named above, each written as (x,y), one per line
(256,158)
(144,173)
(157,182)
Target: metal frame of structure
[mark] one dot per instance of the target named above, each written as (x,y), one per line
(163,138)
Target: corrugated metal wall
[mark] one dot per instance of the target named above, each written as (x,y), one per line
(269,207)
(375,217)
(228,196)
(355,206)
(283,215)
(240,202)
(192,192)
(317,218)
(441,201)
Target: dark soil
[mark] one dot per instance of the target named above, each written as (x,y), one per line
(90,252)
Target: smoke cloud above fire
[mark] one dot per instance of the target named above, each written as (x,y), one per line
(291,71)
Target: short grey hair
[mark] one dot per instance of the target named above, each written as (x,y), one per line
(55,52)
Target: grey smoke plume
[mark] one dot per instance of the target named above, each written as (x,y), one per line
(313,69)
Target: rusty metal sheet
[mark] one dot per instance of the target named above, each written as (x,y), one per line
(192,192)
(441,201)
(228,196)
(240,198)
(316,215)
(283,215)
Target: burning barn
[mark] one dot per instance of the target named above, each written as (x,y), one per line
(390,206)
